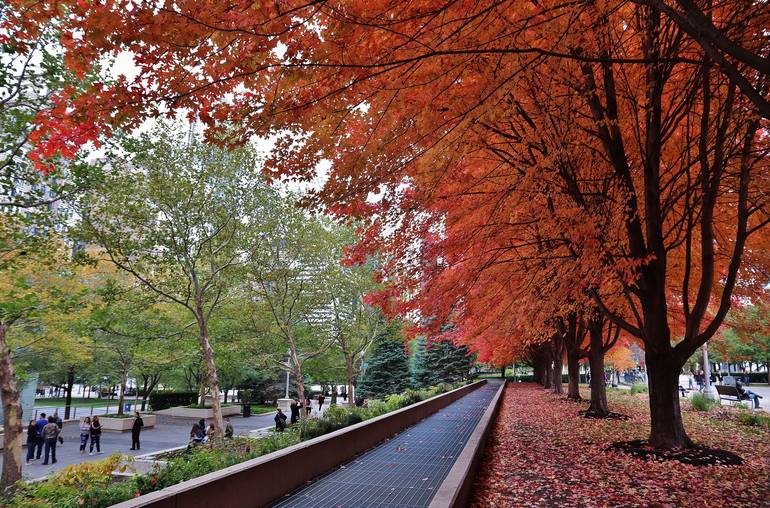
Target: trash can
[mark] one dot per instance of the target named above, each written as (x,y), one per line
(246,410)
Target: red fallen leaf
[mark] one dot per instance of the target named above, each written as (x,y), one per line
(540,454)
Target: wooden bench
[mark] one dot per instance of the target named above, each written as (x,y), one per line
(729,393)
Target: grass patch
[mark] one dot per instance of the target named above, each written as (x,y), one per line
(78,402)
(754,419)
(261,409)
(638,388)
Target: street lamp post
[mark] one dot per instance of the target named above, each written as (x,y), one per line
(708,389)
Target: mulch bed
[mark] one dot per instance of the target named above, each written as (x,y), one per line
(541,453)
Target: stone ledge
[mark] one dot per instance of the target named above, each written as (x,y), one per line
(262,480)
(455,490)
(190,412)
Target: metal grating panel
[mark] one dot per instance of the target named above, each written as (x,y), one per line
(405,471)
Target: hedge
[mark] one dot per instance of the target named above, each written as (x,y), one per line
(165,400)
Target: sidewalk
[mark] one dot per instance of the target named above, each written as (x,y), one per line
(169,432)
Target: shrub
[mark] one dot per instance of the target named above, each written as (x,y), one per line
(336,418)
(700,402)
(393,402)
(88,483)
(638,388)
(165,400)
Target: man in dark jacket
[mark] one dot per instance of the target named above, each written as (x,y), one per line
(135,430)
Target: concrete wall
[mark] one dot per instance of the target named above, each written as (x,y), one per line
(455,491)
(259,481)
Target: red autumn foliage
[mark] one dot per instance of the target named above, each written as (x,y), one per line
(532,160)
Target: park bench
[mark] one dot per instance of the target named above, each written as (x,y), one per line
(729,393)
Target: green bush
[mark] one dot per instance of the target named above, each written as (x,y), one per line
(165,400)
(336,418)
(700,402)
(638,389)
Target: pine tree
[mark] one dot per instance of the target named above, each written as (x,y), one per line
(387,371)
(439,362)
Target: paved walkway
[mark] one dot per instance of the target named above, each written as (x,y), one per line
(405,471)
(169,432)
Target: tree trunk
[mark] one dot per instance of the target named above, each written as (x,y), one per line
(573,373)
(70,384)
(667,430)
(334,395)
(122,394)
(211,369)
(598,406)
(502,371)
(9,393)
(557,349)
(349,374)
(548,376)
(558,380)
(298,381)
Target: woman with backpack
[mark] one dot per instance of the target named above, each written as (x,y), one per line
(96,435)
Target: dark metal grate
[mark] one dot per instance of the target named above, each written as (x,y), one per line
(404,471)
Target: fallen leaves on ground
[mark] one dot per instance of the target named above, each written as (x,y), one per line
(541,453)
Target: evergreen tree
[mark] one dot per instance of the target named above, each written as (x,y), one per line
(387,371)
(439,362)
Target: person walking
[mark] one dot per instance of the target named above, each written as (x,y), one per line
(39,441)
(228,428)
(280,421)
(96,436)
(136,429)
(57,420)
(50,436)
(31,440)
(85,433)
(294,411)
(308,405)
(320,403)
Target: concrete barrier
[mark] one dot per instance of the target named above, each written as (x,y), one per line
(191,412)
(455,490)
(260,481)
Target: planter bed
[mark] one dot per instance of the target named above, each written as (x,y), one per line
(190,412)
(123,424)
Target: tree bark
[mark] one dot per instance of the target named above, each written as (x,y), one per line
(122,395)
(9,392)
(211,369)
(598,406)
(70,384)
(350,375)
(557,349)
(667,429)
(548,376)
(573,373)
(298,381)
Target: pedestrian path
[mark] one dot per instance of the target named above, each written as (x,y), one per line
(405,471)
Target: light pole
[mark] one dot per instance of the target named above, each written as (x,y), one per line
(708,389)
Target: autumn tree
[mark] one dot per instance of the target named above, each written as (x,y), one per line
(616,142)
